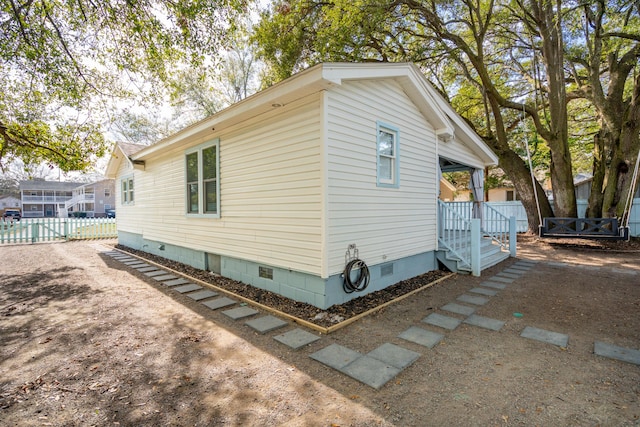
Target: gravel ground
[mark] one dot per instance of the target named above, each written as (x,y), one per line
(84,340)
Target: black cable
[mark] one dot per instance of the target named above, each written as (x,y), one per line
(361,282)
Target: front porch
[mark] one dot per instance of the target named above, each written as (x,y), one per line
(470,245)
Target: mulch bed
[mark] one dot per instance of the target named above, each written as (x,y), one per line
(633,245)
(323,318)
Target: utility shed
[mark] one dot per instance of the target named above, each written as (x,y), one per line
(273,190)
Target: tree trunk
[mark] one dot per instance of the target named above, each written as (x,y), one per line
(557,136)
(518,171)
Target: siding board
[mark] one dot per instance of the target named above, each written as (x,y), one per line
(271,206)
(385,224)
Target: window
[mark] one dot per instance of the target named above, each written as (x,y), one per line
(203,186)
(127,191)
(510,197)
(107,192)
(387,156)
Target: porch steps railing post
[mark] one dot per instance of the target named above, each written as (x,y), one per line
(513,236)
(476,235)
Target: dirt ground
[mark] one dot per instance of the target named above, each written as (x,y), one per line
(85,340)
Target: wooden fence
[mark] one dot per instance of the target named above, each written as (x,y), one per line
(32,230)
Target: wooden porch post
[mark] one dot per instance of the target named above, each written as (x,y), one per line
(513,236)
(476,237)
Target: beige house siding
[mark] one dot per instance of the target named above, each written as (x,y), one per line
(270,193)
(385,223)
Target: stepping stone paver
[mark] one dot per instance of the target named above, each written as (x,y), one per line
(421,336)
(484,291)
(548,337)
(335,356)
(219,303)
(176,282)
(501,279)
(493,285)
(557,264)
(147,269)
(473,299)
(203,294)
(296,338)
(442,321)
(588,267)
(370,371)
(508,275)
(517,271)
(164,277)
(519,268)
(484,322)
(266,324)
(624,271)
(141,265)
(155,273)
(187,288)
(133,262)
(240,312)
(615,352)
(394,355)
(465,310)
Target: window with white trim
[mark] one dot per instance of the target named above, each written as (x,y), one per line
(387,156)
(202,179)
(126,186)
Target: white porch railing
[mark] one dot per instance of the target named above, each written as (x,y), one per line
(461,235)
(499,228)
(454,232)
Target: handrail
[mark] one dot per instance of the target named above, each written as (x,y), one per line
(454,233)
(496,226)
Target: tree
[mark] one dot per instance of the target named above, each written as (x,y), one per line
(461,44)
(62,64)
(604,55)
(501,63)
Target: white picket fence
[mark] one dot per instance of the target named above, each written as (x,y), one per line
(32,230)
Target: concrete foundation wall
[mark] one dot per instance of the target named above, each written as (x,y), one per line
(298,286)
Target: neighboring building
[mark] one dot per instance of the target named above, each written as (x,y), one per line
(47,199)
(277,190)
(449,192)
(10,202)
(94,199)
(501,194)
(582,183)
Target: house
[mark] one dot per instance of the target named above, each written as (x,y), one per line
(449,192)
(10,202)
(46,199)
(282,189)
(92,199)
(501,194)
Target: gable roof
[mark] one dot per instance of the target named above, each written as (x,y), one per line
(37,184)
(121,151)
(447,123)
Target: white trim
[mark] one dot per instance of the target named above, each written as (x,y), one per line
(201,187)
(394,182)
(447,123)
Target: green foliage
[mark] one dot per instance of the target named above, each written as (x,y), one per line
(63,63)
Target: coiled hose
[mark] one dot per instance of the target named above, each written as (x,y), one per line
(361,281)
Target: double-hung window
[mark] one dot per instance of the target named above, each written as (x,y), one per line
(202,178)
(126,186)
(387,156)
